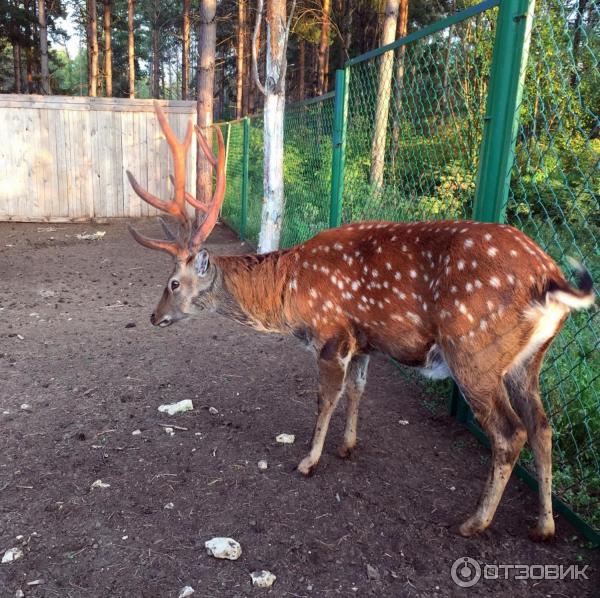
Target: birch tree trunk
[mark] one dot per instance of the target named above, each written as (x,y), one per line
(107,48)
(131,47)
(45,72)
(207,37)
(185,52)
(386,65)
(324,49)
(274,92)
(241,42)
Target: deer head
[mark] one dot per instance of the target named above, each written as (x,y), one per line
(193,274)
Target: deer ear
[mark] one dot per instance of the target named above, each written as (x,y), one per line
(201,263)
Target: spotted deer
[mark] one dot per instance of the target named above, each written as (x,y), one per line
(478,302)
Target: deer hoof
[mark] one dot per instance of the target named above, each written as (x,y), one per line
(307,466)
(470,527)
(345,452)
(542,533)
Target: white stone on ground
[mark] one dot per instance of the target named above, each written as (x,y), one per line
(223,548)
(12,554)
(262,579)
(179,407)
(286,439)
(186,591)
(263,465)
(100,484)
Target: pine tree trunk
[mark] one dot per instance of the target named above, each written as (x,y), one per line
(131,47)
(185,52)
(206,82)
(240,62)
(45,72)
(323,49)
(155,53)
(302,70)
(399,82)
(386,64)
(17,66)
(107,47)
(93,47)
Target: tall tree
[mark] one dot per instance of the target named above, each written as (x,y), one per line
(274,91)
(207,39)
(324,48)
(131,47)
(17,66)
(92,39)
(240,59)
(107,47)
(185,52)
(386,64)
(399,83)
(43,27)
(155,85)
(302,69)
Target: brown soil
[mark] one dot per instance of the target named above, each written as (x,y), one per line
(93,370)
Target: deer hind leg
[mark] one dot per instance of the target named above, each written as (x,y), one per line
(333,363)
(522,384)
(356,379)
(507,436)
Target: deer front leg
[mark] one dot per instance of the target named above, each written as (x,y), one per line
(356,379)
(333,363)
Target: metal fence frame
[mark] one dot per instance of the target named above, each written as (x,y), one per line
(496,152)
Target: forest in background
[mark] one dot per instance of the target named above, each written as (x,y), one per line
(325,33)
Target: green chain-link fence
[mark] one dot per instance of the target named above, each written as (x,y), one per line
(429,133)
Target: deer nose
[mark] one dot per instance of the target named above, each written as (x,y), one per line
(153,319)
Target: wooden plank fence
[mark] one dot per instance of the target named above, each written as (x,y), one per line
(64,158)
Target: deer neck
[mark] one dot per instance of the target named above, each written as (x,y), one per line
(252,290)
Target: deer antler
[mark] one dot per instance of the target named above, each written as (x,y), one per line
(189,240)
(213,207)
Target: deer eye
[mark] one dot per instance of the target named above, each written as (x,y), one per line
(174,285)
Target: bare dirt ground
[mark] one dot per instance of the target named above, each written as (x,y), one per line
(77,346)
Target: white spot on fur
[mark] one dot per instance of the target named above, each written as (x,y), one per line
(495,282)
(492,251)
(468,243)
(460,264)
(413,273)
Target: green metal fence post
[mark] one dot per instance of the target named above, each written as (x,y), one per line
(511,49)
(509,60)
(340,121)
(245,163)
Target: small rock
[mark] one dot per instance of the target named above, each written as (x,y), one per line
(186,591)
(19,594)
(372,573)
(169,431)
(169,506)
(100,484)
(263,465)
(403,422)
(19,537)
(25,407)
(213,411)
(223,548)
(286,438)
(262,579)
(130,325)
(35,582)
(20,337)
(12,554)
(180,407)
(136,432)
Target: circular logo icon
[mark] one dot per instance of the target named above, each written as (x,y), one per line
(465,572)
